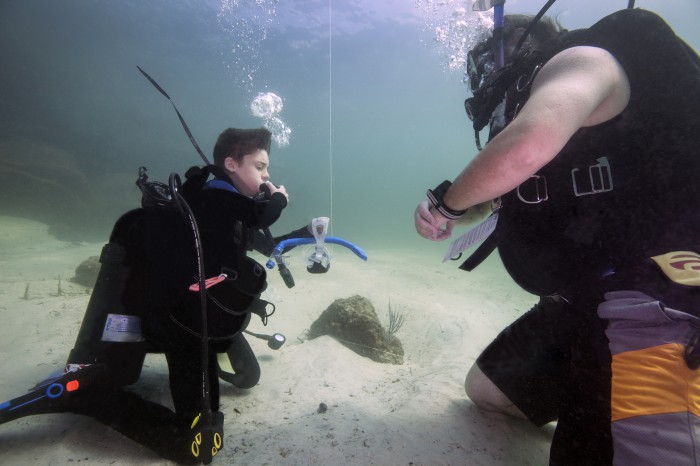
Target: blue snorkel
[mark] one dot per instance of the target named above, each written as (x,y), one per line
(319,261)
(498,53)
(291,242)
(498,15)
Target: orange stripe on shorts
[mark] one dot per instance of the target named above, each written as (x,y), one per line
(654,380)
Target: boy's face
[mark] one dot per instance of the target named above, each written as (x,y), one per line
(250,173)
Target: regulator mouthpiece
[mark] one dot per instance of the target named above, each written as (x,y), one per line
(320,260)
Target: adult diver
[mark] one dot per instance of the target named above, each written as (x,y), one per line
(591,168)
(175,278)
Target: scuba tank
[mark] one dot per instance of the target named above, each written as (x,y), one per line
(110,333)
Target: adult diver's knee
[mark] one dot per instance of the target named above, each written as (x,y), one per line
(487,396)
(474,385)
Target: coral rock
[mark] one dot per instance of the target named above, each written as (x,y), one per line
(354,323)
(86,272)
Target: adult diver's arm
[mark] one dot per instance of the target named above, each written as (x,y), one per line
(580,86)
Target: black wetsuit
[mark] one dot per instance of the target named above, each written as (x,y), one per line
(617,194)
(162,261)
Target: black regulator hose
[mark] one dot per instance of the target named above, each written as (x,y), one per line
(244,363)
(187,213)
(206,436)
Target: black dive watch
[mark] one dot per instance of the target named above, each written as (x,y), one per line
(435,196)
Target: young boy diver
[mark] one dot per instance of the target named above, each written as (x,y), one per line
(148,295)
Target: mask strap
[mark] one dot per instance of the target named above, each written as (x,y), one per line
(532,24)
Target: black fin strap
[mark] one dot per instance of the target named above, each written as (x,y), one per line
(182,120)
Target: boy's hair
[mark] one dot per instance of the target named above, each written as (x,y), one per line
(236,143)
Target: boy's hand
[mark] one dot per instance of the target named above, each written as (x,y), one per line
(272,189)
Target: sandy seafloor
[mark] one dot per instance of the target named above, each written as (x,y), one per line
(378,414)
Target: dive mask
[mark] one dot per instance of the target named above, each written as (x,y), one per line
(487,97)
(480,65)
(481,68)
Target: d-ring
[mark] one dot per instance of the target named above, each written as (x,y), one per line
(520,86)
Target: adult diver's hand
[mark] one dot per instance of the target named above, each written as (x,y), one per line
(430,224)
(276,189)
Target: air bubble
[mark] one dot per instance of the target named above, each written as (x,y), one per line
(267,106)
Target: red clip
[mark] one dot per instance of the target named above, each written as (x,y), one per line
(209,282)
(72,385)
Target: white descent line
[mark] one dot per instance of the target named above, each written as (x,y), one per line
(330,100)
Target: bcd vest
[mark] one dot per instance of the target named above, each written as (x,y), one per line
(620,191)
